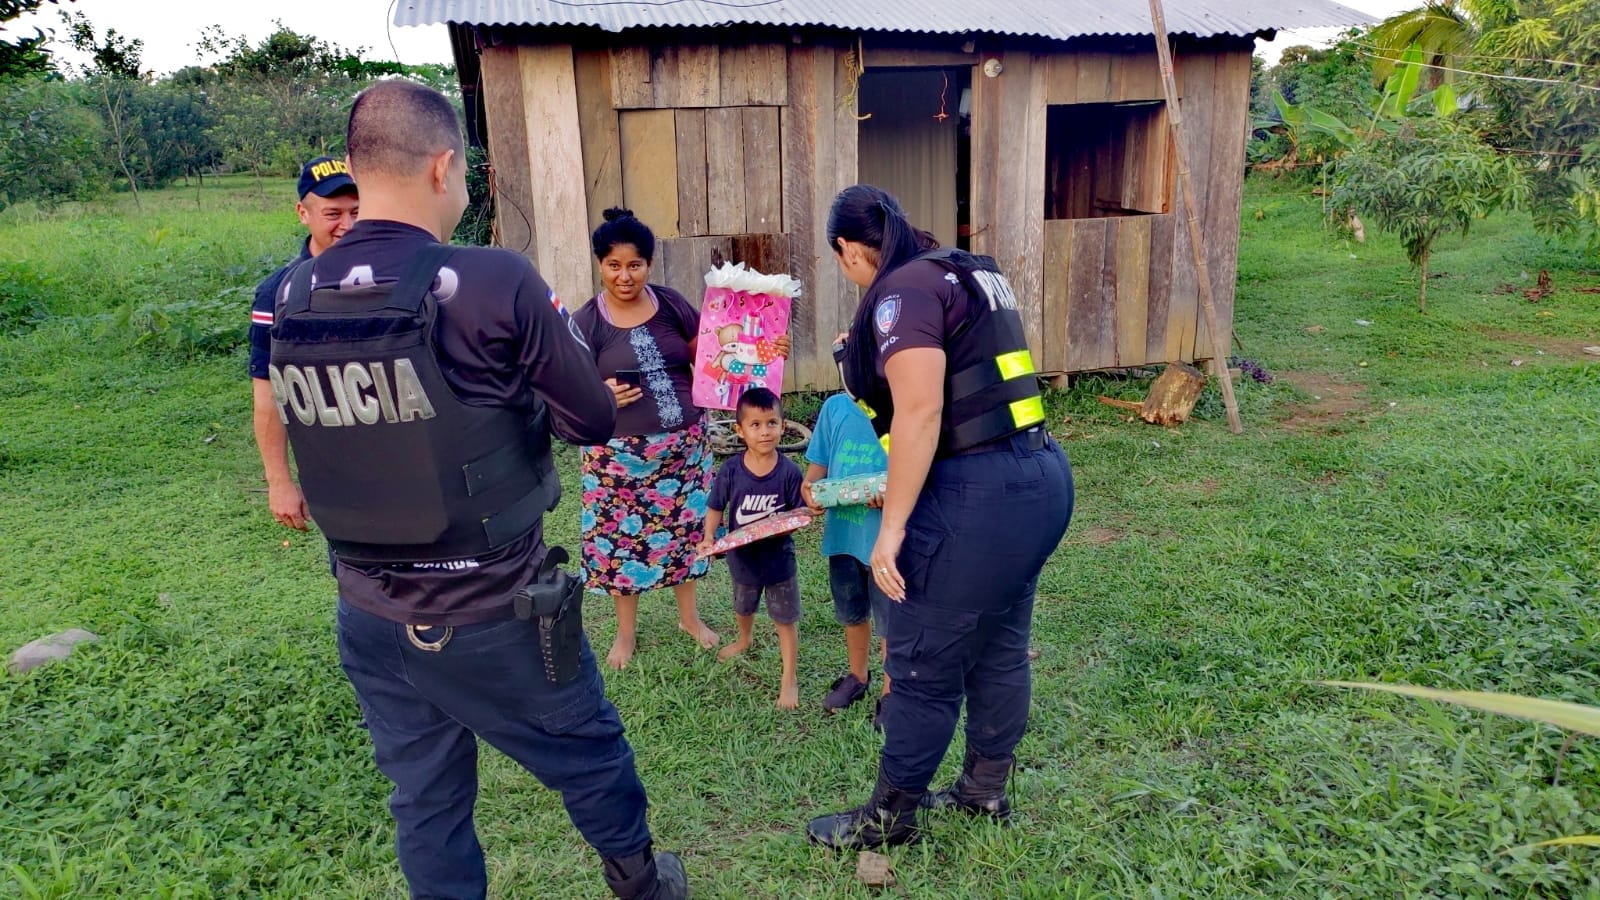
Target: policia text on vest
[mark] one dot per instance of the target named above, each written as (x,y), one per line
(335,396)
(396,468)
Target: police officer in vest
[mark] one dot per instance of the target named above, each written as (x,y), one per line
(979,496)
(419,384)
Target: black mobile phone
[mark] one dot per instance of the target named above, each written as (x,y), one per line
(629,377)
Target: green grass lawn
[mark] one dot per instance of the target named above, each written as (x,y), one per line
(1407,504)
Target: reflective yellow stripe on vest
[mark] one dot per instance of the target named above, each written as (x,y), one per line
(1015,364)
(873,414)
(1019,364)
(1027,412)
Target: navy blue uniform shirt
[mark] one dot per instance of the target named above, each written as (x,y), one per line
(262,310)
(503,339)
(746,498)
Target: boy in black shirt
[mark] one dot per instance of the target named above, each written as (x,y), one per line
(750,487)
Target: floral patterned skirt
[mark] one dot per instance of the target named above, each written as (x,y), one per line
(644,510)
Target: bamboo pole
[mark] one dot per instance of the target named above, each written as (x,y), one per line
(1202,272)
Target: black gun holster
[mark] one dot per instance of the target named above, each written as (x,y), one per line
(555,598)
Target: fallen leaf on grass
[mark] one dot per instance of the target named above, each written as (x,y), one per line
(1315,329)
(1592,351)
(1586,290)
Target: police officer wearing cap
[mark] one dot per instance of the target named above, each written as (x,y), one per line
(327,208)
(978,497)
(419,384)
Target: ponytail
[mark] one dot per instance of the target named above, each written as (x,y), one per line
(872,216)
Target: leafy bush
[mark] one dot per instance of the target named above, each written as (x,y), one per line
(185,329)
(25,297)
(50,144)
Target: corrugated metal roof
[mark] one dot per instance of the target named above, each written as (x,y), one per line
(1059,19)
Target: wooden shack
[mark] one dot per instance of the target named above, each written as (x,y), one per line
(1035,131)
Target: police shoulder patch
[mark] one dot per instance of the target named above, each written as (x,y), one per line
(888,313)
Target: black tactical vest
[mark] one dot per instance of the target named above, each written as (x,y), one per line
(394,467)
(990,387)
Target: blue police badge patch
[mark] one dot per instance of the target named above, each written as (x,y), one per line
(888,313)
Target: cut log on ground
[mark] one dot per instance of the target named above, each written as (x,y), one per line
(1173,396)
(1171,399)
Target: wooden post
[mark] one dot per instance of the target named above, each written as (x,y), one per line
(1202,273)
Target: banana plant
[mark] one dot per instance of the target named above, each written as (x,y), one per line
(1391,110)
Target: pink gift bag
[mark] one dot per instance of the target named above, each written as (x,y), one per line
(743,313)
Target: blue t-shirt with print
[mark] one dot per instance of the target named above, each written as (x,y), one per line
(845,443)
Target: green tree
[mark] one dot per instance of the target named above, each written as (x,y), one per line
(114,78)
(21,56)
(1424,179)
(245,130)
(1539,60)
(1531,65)
(113,55)
(1443,31)
(174,123)
(51,143)
(1335,80)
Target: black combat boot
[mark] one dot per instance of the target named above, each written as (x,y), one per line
(889,818)
(980,790)
(646,876)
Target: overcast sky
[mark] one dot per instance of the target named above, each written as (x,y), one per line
(169,28)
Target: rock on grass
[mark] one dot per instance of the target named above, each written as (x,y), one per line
(48,649)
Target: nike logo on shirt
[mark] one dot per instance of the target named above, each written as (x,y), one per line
(755,508)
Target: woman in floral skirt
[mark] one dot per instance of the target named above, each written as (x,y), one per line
(644,491)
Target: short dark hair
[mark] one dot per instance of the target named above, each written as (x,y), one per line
(760,399)
(397,127)
(620,227)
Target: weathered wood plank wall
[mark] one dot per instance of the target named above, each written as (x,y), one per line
(1121,290)
(1008,185)
(507,119)
(739,149)
(557,205)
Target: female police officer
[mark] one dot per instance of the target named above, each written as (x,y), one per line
(978,497)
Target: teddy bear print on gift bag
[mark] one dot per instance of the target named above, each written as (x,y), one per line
(743,314)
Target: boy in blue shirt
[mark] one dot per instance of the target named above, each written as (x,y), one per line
(754,485)
(844,444)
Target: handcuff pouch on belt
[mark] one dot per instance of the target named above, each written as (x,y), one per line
(555,599)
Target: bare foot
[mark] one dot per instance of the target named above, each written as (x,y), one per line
(732,650)
(707,638)
(621,653)
(789,697)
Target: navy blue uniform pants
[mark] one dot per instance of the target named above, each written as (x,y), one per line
(426,711)
(981,531)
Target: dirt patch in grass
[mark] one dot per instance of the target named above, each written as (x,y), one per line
(1552,346)
(1331,402)
(1098,535)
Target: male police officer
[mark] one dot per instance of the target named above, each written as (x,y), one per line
(327,208)
(419,384)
